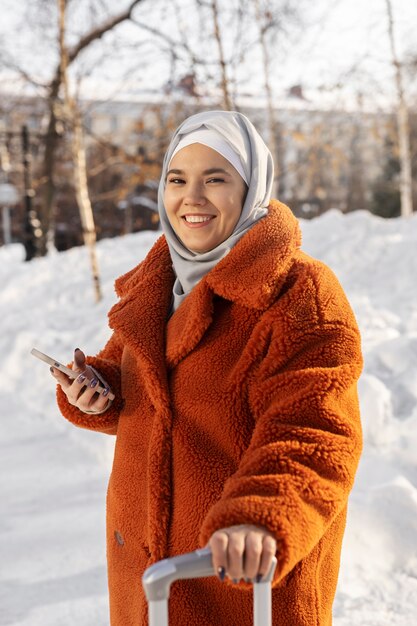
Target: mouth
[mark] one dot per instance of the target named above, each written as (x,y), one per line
(197,219)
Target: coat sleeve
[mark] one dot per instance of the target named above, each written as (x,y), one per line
(296,474)
(108,364)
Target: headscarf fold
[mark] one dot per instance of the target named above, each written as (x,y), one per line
(257,163)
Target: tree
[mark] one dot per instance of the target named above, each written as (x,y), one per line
(55,114)
(53,91)
(72,116)
(386,199)
(403,123)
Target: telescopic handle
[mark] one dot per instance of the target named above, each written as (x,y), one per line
(158,578)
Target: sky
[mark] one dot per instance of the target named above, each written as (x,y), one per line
(334,38)
(53,476)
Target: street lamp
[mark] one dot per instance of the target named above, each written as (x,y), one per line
(8,197)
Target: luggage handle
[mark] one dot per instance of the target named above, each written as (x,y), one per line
(158,578)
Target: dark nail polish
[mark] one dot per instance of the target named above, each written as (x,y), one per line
(81,378)
(51,369)
(235,580)
(94,382)
(106,392)
(79,349)
(221,572)
(258,578)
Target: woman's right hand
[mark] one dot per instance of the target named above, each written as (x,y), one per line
(81,391)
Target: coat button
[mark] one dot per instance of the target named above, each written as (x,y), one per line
(119,538)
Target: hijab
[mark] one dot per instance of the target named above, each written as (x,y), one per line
(239,134)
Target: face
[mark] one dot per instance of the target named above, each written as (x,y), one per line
(203,197)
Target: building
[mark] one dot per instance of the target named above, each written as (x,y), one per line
(325,157)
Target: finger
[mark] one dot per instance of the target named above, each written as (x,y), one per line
(253,552)
(83,390)
(218,545)
(78,387)
(79,360)
(61,378)
(235,553)
(99,401)
(269,548)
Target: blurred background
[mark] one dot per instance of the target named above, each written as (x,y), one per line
(91,91)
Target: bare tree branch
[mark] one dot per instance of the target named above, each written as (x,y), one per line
(174,44)
(101,30)
(10,64)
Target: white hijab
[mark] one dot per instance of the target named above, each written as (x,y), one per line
(258,167)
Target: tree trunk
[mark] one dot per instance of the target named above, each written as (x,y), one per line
(31,222)
(227,103)
(47,194)
(270,101)
(73,118)
(83,198)
(403,125)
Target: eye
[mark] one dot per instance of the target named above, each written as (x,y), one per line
(176,181)
(216,180)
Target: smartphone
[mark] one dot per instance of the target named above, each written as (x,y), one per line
(63,368)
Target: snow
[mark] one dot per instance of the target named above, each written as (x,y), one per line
(53,476)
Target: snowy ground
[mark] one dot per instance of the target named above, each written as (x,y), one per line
(53,476)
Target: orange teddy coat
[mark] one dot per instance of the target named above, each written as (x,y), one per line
(241,409)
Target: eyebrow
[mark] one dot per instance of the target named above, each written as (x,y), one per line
(212,170)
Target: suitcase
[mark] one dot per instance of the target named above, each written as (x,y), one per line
(158,578)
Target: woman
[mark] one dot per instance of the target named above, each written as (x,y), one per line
(234,360)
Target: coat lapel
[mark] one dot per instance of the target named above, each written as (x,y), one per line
(188,323)
(254,271)
(251,275)
(140,318)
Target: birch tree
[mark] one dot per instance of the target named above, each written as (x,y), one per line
(264,21)
(224,82)
(52,89)
(72,117)
(402,122)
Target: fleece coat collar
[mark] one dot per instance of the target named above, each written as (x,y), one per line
(251,275)
(263,257)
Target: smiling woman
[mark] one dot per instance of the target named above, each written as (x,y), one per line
(233,362)
(203,197)
(211,165)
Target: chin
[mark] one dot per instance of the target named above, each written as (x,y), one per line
(198,249)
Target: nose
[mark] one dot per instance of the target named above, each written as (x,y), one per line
(194,195)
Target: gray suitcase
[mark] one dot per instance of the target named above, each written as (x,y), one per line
(158,578)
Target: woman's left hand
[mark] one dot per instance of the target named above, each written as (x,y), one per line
(242,552)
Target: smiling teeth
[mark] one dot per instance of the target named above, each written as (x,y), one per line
(194,219)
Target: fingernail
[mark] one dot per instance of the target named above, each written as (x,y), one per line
(258,578)
(106,392)
(236,580)
(51,369)
(79,349)
(81,378)
(94,382)
(221,573)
